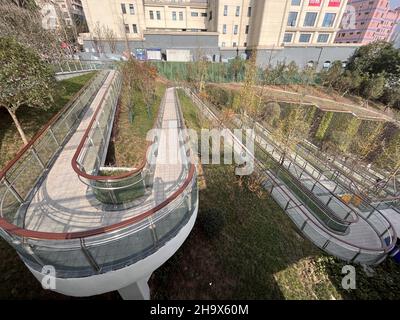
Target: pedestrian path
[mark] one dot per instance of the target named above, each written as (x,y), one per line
(63,203)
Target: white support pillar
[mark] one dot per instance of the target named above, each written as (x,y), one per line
(136,291)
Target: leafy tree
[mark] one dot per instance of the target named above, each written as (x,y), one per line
(291,130)
(25,80)
(250,98)
(372,87)
(368,139)
(378,63)
(331,77)
(376,58)
(26,27)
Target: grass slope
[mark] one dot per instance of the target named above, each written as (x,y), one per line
(33,119)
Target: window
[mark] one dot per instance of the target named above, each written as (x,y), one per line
(305,37)
(323,38)
(237,11)
(194,14)
(309,20)
(292,18)
(204,14)
(123,8)
(245,44)
(174,15)
(151,15)
(181,15)
(288,37)
(249,12)
(131,9)
(224,29)
(235,29)
(210,16)
(225,11)
(329,20)
(134,28)
(158,15)
(126,28)
(223,44)
(247,29)
(234,44)
(296,2)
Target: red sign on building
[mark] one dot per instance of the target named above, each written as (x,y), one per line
(314,3)
(334,3)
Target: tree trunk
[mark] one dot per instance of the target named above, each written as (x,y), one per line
(18,125)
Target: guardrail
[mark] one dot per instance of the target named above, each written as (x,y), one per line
(19,177)
(75,66)
(99,250)
(331,243)
(119,191)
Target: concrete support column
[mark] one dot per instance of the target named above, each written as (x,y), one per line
(136,291)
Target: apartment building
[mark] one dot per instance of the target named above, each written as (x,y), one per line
(131,18)
(70,11)
(366,21)
(239,23)
(312,21)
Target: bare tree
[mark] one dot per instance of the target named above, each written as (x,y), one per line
(111,38)
(97,37)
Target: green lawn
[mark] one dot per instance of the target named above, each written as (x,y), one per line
(130,140)
(258,254)
(33,119)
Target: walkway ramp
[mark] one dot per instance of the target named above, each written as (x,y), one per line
(64,204)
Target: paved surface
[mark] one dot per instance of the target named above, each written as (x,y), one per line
(360,233)
(64,204)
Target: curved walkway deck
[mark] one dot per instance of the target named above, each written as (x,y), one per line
(63,203)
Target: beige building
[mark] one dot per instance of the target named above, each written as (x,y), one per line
(240,24)
(131,18)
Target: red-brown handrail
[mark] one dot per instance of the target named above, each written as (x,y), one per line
(21,152)
(88,176)
(26,233)
(41,235)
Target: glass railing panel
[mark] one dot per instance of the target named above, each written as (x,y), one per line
(9,204)
(341,250)
(167,225)
(24,179)
(67,262)
(124,250)
(316,237)
(119,191)
(296,215)
(280,197)
(46,148)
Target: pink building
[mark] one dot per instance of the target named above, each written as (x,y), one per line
(366,21)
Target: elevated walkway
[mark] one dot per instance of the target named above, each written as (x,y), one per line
(57,218)
(368,238)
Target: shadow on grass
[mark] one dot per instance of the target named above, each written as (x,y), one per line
(256,243)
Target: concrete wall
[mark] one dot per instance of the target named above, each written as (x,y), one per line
(302,55)
(201,44)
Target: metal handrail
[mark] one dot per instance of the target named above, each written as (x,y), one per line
(386,248)
(41,235)
(86,136)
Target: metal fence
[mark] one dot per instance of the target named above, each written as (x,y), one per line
(304,218)
(22,174)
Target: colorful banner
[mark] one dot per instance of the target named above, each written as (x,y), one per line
(334,3)
(314,3)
